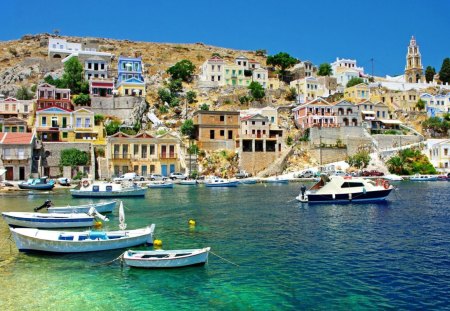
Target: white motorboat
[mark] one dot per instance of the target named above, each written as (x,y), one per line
(28,239)
(160,184)
(277,180)
(166,259)
(101,207)
(221,182)
(107,190)
(345,189)
(393,177)
(188,182)
(419,177)
(248,181)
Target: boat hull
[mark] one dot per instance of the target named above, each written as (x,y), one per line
(188,182)
(222,184)
(200,257)
(36,187)
(102,207)
(108,194)
(48,221)
(372,196)
(35,240)
(280,181)
(158,186)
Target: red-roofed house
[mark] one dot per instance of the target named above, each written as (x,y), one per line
(16,150)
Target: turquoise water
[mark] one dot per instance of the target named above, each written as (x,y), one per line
(393,255)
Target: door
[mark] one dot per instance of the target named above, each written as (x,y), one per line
(21,173)
(163,151)
(164,170)
(172,168)
(9,173)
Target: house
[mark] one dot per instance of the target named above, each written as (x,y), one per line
(260,143)
(12,107)
(439,154)
(235,76)
(308,89)
(260,75)
(397,99)
(96,67)
(436,105)
(130,81)
(215,130)
(100,87)
(302,70)
(376,116)
(347,113)
(212,71)
(357,93)
(60,48)
(84,129)
(143,153)
(14,125)
(49,96)
(16,150)
(269,112)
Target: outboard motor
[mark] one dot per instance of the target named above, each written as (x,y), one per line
(302,191)
(46,204)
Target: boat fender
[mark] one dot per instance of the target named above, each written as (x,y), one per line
(350,196)
(157,242)
(191,222)
(98,224)
(386,184)
(364,190)
(85,183)
(334,196)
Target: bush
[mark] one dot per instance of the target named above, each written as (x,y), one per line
(164,95)
(73,157)
(82,100)
(98,119)
(204,107)
(191,97)
(182,70)
(354,81)
(112,127)
(289,140)
(163,109)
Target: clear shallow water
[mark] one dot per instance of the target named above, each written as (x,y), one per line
(394,255)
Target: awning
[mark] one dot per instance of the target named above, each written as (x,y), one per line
(391,121)
(367,112)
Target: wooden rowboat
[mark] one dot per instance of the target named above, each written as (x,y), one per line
(166,259)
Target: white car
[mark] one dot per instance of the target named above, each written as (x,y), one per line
(128,177)
(153,177)
(174,176)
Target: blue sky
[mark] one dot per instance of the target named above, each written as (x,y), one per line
(316,30)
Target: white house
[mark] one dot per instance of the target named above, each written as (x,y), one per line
(436,105)
(438,151)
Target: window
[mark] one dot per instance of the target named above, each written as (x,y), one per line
(263,123)
(78,122)
(445,151)
(102,66)
(230,134)
(212,67)
(152,149)
(352,184)
(253,122)
(87,122)
(135,150)
(54,121)
(6,107)
(64,134)
(212,78)
(25,108)
(222,118)
(144,151)
(211,134)
(222,132)
(13,107)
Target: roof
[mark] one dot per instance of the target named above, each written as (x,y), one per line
(10,138)
(391,121)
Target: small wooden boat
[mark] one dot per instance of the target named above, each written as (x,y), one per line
(220,182)
(277,180)
(419,177)
(101,207)
(37,184)
(28,239)
(64,181)
(160,184)
(188,182)
(107,190)
(166,259)
(39,220)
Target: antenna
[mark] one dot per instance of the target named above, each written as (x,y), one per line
(372,60)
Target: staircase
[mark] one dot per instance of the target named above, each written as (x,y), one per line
(278,165)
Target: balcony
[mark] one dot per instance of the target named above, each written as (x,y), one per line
(169,155)
(16,156)
(121,156)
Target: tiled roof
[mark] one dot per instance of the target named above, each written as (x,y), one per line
(16,138)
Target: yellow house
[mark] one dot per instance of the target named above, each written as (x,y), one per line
(308,88)
(53,124)
(131,87)
(235,76)
(143,154)
(357,93)
(84,128)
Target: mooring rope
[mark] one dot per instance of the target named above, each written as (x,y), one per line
(224,259)
(109,262)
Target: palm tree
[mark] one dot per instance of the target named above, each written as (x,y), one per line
(395,164)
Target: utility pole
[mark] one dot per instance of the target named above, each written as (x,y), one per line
(372,66)
(320,150)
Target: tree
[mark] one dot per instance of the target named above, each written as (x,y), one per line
(73,75)
(182,70)
(204,107)
(112,127)
(82,100)
(187,128)
(292,94)
(359,160)
(23,93)
(444,73)
(191,97)
(325,70)
(354,81)
(98,119)
(164,95)
(420,104)
(59,83)
(175,86)
(429,74)
(73,157)
(281,60)
(256,90)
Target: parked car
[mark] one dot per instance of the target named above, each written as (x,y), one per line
(306,174)
(174,176)
(340,173)
(372,173)
(157,177)
(127,177)
(242,174)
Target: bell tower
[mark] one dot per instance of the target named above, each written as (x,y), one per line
(413,69)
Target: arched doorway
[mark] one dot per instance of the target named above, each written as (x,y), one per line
(349,111)
(354,122)
(345,120)
(56,56)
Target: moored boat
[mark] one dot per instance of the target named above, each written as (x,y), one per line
(160,184)
(248,181)
(277,180)
(28,239)
(221,182)
(166,259)
(393,177)
(40,220)
(188,182)
(101,207)
(339,189)
(37,184)
(107,190)
(419,177)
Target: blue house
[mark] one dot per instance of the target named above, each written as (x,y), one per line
(130,78)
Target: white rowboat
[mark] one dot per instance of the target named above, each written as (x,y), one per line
(101,207)
(166,259)
(28,239)
(39,220)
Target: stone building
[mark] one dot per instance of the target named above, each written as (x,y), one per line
(216,130)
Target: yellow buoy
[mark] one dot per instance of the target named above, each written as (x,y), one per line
(157,243)
(98,224)
(191,222)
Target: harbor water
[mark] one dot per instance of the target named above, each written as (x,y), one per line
(275,253)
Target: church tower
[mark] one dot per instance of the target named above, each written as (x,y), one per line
(413,69)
